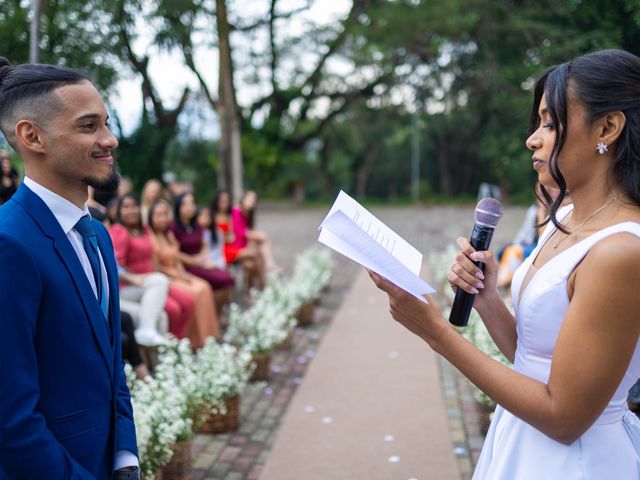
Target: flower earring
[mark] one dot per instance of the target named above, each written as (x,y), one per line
(602,147)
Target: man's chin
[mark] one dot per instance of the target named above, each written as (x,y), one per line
(107,184)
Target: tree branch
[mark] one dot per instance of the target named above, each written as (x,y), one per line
(187,50)
(272,45)
(357,8)
(164,118)
(347,99)
(263,22)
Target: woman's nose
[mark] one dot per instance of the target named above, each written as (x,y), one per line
(534,142)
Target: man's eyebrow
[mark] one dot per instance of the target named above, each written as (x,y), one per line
(89,116)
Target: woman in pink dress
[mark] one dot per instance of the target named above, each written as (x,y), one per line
(243,221)
(134,252)
(167,259)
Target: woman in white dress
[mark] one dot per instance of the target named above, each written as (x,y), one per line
(562,410)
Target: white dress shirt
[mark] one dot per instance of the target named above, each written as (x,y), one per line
(67,215)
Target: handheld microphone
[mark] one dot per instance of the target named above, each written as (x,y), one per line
(488,213)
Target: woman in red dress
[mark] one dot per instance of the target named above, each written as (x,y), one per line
(247,256)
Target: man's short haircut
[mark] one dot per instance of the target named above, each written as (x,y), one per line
(26,93)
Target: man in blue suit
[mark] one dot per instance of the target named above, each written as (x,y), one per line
(65,409)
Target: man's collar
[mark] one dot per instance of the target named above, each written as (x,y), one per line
(65,212)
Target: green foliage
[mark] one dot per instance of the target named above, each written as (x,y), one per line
(14,30)
(332,104)
(141,155)
(195,161)
(74,33)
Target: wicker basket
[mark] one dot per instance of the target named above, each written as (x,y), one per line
(305,314)
(287,343)
(223,423)
(484,417)
(179,468)
(263,365)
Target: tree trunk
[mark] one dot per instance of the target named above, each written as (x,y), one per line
(34,41)
(231,174)
(444,166)
(363,172)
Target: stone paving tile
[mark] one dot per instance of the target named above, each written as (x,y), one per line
(463,417)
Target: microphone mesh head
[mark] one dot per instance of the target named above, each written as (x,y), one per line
(488,212)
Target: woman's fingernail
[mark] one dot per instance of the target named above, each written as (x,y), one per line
(479,285)
(474,291)
(476,256)
(480,275)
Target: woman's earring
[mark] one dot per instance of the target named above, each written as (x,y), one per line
(602,147)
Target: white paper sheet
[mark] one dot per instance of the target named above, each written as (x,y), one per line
(372,244)
(383,235)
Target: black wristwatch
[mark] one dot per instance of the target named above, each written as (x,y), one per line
(127,474)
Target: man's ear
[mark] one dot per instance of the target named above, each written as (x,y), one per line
(30,136)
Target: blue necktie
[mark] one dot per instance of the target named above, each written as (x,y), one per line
(90,242)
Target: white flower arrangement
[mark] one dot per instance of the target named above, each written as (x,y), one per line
(158,412)
(260,328)
(475,331)
(223,370)
(311,273)
(177,367)
(270,320)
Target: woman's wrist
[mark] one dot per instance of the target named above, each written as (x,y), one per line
(439,339)
(487,302)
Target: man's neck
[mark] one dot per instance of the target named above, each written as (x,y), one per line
(77,195)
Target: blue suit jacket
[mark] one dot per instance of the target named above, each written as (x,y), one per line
(65,407)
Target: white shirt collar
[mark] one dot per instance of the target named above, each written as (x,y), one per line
(65,212)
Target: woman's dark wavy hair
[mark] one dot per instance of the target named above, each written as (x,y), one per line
(604,82)
(251,214)
(215,202)
(177,203)
(154,206)
(119,209)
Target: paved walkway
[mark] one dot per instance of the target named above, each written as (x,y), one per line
(370,405)
(243,454)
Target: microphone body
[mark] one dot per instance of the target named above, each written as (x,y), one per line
(463,301)
(488,213)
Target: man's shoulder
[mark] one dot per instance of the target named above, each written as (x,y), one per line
(13,216)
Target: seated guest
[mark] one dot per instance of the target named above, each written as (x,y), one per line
(134,252)
(247,256)
(213,237)
(167,259)
(243,221)
(96,209)
(194,251)
(526,240)
(130,350)
(151,193)
(8,177)
(112,208)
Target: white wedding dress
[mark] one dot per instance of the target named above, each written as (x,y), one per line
(513,449)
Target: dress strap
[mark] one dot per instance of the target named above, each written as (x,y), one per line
(574,254)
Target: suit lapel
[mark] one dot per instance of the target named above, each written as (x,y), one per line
(51,228)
